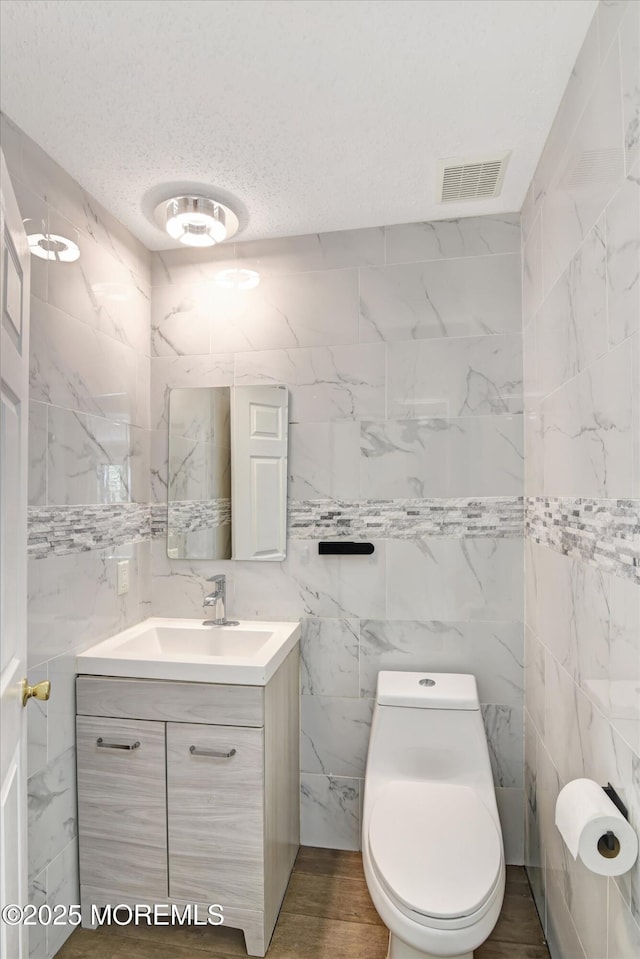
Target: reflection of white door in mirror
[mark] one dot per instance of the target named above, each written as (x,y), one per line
(259,428)
(203,509)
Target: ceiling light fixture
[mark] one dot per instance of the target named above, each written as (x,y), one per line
(238,279)
(197,220)
(51,246)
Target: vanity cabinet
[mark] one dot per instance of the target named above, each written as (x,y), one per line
(122,806)
(216,835)
(188,793)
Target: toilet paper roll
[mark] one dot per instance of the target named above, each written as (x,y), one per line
(586,818)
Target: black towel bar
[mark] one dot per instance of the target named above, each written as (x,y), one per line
(345,549)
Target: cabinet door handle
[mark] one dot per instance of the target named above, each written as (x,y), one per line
(196,751)
(100,742)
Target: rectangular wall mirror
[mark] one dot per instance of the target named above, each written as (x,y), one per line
(227,493)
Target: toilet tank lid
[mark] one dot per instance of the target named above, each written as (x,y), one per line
(427,690)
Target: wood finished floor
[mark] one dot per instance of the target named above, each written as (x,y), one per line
(326,914)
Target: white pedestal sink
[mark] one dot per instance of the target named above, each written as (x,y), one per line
(183,649)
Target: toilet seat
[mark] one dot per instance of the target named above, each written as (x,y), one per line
(436,851)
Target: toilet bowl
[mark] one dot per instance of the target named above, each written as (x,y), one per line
(432,845)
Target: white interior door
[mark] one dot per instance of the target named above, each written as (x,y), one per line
(14,403)
(259,430)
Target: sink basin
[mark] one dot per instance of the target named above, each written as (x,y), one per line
(184,649)
(160,640)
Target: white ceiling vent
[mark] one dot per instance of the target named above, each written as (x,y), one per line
(471,179)
(595,166)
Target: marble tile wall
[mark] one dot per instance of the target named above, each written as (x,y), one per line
(581,306)
(402,352)
(88,484)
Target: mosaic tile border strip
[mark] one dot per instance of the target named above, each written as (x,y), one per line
(191,515)
(72,529)
(494,517)
(604,533)
(58,530)
(158,513)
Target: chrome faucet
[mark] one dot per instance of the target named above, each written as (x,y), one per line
(218,599)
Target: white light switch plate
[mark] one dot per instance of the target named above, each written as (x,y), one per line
(123,577)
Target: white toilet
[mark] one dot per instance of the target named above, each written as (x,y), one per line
(431,838)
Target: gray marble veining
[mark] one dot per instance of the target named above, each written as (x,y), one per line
(37,726)
(88,460)
(91,459)
(460,297)
(315,251)
(630,70)
(493,652)
(571,324)
(449,579)
(457,457)
(37,896)
(581,304)
(588,429)
(324,460)
(503,725)
(588,174)
(198,470)
(623,261)
(334,735)
(72,604)
(329,655)
(330,811)
(325,383)
(175,372)
(440,239)
(75,366)
(65,194)
(283,312)
(456,376)
(100,290)
(38,413)
(62,887)
(52,810)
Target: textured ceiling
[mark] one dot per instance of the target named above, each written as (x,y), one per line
(312,116)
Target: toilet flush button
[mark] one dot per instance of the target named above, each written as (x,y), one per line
(426,682)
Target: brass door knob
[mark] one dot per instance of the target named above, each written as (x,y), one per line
(41,690)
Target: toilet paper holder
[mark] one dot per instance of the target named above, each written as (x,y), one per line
(596,827)
(608,846)
(615,799)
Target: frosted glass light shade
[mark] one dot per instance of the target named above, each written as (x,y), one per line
(195,221)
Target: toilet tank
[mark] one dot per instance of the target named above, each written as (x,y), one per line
(427,690)
(428,731)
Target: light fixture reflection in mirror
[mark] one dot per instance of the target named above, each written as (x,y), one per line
(116,292)
(235,279)
(51,246)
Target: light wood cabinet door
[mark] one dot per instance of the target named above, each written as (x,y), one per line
(215,814)
(122,819)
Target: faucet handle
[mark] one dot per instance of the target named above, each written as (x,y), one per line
(219,578)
